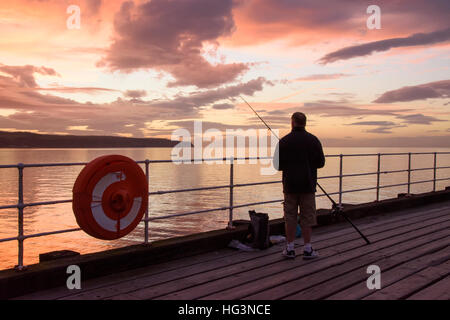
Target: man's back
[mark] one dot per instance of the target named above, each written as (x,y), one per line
(300,155)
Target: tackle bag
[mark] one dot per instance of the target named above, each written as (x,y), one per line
(259,230)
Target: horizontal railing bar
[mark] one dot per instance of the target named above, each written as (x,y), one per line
(9,239)
(39,165)
(442,179)
(360,155)
(328,177)
(9,166)
(187,190)
(256,203)
(51,233)
(359,174)
(46,203)
(442,152)
(43,234)
(255,183)
(12,206)
(358,190)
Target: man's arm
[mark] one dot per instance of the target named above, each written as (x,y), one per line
(277,158)
(320,157)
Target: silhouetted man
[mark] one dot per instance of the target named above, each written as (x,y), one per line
(299,154)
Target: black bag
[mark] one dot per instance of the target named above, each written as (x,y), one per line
(259,230)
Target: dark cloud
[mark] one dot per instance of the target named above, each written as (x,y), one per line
(204,98)
(223,106)
(340,108)
(373,123)
(418,119)
(383,127)
(169,36)
(206,125)
(88,90)
(438,89)
(25,74)
(135,94)
(418,39)
(334,109)
(411,141)
(382,130)
(387,126)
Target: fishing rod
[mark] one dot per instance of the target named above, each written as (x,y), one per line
(336,208)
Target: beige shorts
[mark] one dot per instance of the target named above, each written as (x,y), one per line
(307,204)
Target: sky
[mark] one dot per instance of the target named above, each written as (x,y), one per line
(145,68)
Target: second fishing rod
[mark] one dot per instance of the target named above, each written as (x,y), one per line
(336,208)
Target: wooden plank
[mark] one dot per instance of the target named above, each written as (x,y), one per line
(412,284)
(359,290)
(406,262)
(132,284)
(191,288)
(91,284)
(283,285)
(438,291)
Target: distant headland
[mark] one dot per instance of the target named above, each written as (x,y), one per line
(33,140)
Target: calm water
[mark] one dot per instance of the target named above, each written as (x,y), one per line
(46,184)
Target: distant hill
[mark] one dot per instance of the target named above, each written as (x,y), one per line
(33,140)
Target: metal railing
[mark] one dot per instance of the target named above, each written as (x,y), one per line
(20,206)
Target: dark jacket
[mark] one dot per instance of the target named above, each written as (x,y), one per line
(299,154)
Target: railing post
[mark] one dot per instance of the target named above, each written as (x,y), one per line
(230,221)
(147,173)
(409,172)
(378,176)
(20,207)
(341,157)
(434,172)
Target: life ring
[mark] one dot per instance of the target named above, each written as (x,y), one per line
(110,197)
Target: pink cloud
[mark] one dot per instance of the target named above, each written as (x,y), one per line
(418,39)
(437,89)
(169,36)
(25,74)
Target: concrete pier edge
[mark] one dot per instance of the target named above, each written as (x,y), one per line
(50,274)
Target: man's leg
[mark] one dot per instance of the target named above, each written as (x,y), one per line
(290,206)
(307,220)
(306,233)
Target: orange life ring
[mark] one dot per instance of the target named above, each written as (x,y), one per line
(110,197)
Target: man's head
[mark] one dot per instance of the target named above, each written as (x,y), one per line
(298,120)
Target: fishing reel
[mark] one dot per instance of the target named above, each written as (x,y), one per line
(336,210)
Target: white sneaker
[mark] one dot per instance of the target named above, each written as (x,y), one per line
(310,254)
(290,254)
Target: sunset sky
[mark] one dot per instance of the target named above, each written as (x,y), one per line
(144,68)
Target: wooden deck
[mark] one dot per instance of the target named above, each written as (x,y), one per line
(411,248)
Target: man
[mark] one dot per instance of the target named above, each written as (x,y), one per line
(299,154)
